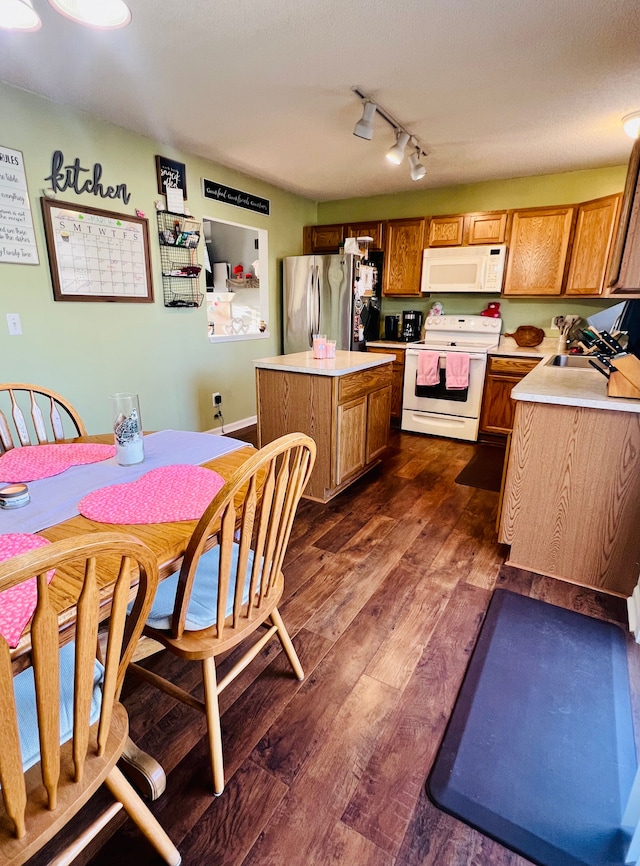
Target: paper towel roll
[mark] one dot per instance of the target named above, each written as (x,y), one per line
(221,273)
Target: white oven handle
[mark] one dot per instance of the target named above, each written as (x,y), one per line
(472,356)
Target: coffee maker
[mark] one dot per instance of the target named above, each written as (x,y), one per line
(411,325)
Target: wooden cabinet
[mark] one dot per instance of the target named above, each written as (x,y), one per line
(403,257)
(486,227)
(623,280)
(538,251)
(571,508)
(397,381)
(373,230)
(346,415)
(498,409)
(322,239)
(446,231)
(593,239)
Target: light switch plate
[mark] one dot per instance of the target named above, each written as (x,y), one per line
(14,324)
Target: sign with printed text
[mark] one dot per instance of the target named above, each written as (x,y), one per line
(17,238)
(171,175)
(229,195)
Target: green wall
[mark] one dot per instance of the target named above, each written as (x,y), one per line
(87,351)
(521,192)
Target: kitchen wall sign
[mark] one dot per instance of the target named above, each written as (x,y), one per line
(17,238)
(69,176)
(171,174)
(229,195)
(96,255)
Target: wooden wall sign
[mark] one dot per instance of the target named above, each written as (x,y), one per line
(17,238)
(96,255)
(229,195)
(171,174)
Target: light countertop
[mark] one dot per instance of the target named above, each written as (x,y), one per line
(570,386)
(508,346)
(341,365)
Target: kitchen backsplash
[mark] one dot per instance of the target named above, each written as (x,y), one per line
(513,311)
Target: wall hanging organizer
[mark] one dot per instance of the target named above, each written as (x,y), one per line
(179,238)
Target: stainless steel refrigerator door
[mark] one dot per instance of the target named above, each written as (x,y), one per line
(317,299)
(335,288)
(299,312)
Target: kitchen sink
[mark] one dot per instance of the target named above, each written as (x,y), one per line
(569,361)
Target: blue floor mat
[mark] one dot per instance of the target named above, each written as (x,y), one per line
(539,752)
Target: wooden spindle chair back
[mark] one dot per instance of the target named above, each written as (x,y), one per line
(36,803)
(254,511)
(31,415)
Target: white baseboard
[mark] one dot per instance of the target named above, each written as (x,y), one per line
(234,425)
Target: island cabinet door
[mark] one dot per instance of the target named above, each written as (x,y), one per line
(378,409)
(352,438)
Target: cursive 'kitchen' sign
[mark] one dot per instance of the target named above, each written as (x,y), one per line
(73,176)
(229,195)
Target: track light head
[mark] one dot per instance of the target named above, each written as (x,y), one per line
(418,171)
(19,15)
(631,124)
(364,127)
(395,154)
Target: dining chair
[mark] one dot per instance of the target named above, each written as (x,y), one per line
(62,726)
(57,408)
(221,597)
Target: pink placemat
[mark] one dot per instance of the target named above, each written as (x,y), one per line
(33,462)
(164,495)
(18,603)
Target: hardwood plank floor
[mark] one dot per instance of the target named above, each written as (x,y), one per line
(386,589)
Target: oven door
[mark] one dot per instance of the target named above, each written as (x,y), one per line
(464,403)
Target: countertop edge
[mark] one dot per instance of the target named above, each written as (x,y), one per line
(343,364)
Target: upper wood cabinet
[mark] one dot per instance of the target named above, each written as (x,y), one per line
(403,257)
(446,231)
(373,230)
(538,251)
(322,239)
(623,280)
(595,230)
(486,227)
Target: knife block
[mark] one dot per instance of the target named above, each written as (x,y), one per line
(625,382)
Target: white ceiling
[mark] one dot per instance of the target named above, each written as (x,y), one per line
(493,89)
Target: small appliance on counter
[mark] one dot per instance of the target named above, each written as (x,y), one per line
(391,324)
(411,325)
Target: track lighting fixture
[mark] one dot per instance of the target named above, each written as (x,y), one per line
(364,127)
(631,124)
(19,15)
(103,15)
(418,171)
(395,154)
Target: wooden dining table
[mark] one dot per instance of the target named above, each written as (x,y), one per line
(168,543)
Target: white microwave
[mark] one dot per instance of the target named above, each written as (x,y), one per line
(463,269)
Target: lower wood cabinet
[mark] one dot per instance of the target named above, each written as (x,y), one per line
(498,409)
(397,380)
(347,416)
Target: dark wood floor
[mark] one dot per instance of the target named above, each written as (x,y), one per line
(386,588)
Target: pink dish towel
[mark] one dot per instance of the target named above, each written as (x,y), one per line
(457,370)
(428,368)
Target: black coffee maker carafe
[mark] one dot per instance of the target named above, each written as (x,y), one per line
(391,324)
(411,325)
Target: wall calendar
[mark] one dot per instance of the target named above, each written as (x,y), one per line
(97,255)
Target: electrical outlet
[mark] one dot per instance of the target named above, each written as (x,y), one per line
(216,399)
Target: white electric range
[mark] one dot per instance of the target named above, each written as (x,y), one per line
(435,409)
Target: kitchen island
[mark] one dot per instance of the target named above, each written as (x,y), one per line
(343,403)
(571,499)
